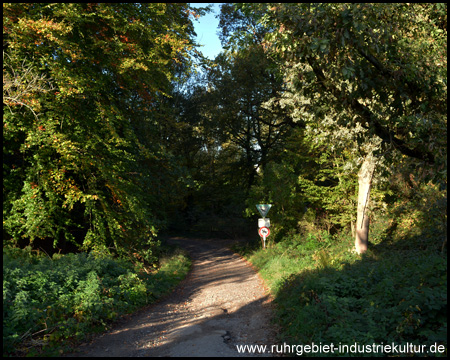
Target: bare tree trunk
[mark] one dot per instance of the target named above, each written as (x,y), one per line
(362,219)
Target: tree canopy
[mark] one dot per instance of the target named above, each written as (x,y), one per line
(81,140)
(115,127)
(386,64)
(363,79)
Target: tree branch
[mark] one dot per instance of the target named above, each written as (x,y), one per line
(388,73)
(367,115)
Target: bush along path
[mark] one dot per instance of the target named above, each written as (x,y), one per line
(392,301)
(222,303)
(53,303)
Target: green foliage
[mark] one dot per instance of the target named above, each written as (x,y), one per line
(418,213)
(240,86)
(106,142)
(286,257)
(80,128)
(353,85)
(47,300)
(391,300)
(361,61)
(227,136)
(326,293)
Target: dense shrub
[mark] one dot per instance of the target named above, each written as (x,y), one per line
(394,299)
(51,299)
(325,293)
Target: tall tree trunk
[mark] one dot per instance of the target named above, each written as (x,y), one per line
(362,219)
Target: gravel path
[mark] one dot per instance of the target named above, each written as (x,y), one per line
(222,303)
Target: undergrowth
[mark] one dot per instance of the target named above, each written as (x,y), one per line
(325,293)
(50,304)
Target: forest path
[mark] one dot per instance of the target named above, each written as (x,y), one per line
(221,303)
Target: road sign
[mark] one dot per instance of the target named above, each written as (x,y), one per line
(263,209)
(263,222)
(264,232)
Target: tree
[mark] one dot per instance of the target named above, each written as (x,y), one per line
(84,164)
(242,83)
(241,86)
(22,83)
(210,164)
(377,67)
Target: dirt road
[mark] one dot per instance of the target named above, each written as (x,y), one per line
(222,303)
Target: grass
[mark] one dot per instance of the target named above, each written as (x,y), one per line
(52,304)
(325,293)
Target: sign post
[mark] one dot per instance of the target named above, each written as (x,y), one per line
(264,223)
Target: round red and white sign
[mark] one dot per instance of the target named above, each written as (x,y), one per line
(264,231)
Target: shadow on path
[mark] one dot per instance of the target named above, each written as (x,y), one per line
(222,303)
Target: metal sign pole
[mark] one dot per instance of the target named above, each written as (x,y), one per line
(264,241)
